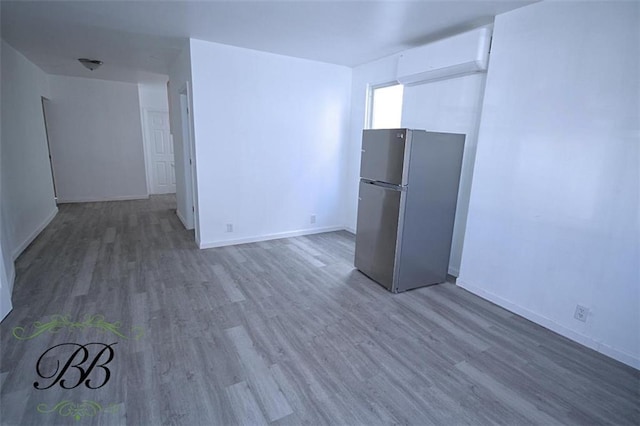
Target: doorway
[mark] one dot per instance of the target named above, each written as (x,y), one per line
(46,106)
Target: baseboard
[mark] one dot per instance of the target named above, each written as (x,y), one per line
(11,278)
(351,230)
(5,307)
(553,326)
(102,199)
(183,220)
(455,272)
(5,304)
(18,250)
(276,236)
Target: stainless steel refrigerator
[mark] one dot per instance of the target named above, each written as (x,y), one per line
(406,206)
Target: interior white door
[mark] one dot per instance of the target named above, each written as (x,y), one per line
(163,175)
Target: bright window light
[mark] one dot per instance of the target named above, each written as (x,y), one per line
(386,107)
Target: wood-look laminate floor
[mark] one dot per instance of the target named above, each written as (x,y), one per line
(283,332)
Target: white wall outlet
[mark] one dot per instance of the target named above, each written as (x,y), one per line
(229,227)
(312,219)
(581,313)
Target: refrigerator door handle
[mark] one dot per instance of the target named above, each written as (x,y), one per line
(385,185)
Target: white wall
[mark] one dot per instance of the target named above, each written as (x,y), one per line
(6,276)
(6,281)
(27,199)
(553,220)
(270,136)
(96,140)
(5,290)
(179,78)
(153,97)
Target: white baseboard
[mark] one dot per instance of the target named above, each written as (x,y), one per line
(5,303)
(553,326)
(101,199)
(5,295)
(18,250)
(351,230)
(454,272)
(276,236)
(11,277)
(183,220)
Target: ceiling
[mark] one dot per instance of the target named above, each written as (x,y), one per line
(138,40)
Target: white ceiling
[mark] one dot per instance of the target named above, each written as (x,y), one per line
(137,40)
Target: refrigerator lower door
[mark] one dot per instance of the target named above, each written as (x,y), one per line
(377,233)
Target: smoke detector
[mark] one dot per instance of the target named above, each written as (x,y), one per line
(90,64)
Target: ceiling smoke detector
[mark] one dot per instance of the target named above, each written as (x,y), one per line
(90,64)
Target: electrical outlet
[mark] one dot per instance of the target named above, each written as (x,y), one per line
(229,227)
(312,219)
(581,313)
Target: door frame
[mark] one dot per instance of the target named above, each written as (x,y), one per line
(43,101)
(189,157)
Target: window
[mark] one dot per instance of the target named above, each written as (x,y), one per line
(385,107)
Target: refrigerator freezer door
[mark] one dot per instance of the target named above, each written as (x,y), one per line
(378,215)
(383,153)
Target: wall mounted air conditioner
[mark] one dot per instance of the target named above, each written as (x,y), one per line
(464,53)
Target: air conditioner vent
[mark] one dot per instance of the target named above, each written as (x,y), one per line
(462,54)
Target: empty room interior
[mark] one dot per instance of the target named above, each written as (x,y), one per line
(320,212)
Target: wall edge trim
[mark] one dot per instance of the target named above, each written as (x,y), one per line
(182,219)
(62,200)
(266,237)
(551,325)
(21,247)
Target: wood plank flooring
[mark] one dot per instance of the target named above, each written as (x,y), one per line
(282,332)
